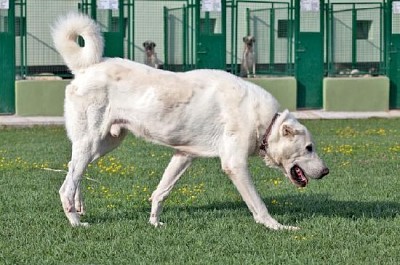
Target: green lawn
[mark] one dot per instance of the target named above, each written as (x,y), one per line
(349,217)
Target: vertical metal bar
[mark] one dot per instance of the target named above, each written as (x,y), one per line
(291,36)
(354,37)
(236,36)
(233,29)
(272,39)
(387,38)
(288,49)
(184,41)
(23,15)
(121,19)
(193,35)
(93,9)
(248,21)
(207,27)
(381,34)
(109,21)
(223,30)
(297,43)
(327,23)
(166,38)
(197,23)
(232,32)
(331,45)
(133,29)
(129,16)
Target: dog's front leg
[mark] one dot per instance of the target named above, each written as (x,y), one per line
(176,167)
(238,172)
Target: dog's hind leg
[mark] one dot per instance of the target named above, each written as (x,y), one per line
(176,167)
(83,152)
(70,191)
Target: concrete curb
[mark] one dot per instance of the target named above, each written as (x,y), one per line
(19,121)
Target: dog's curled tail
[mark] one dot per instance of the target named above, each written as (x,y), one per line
(65,34)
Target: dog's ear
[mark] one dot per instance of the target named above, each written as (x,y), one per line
(154,45)
(244,39)
(288,131)
(144,44)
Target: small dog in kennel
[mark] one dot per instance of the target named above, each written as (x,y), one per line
(249,59)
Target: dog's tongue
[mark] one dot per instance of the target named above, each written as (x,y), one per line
(297,177)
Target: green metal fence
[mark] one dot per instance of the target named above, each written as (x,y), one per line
(355,35)
(271,23)
(305,39)
(356,39)
(7,58)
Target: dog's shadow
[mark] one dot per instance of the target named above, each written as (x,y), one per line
(294,207)
(307,206)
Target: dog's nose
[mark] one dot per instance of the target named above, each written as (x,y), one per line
(324,172)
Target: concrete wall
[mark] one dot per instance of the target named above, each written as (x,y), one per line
(46,98)
(40,97)
(356,94)
(284,89)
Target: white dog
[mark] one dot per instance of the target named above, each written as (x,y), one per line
(201,113)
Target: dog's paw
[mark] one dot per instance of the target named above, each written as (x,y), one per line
(271,223)
(74,220)
(81,224)
(155,222)
(279,226)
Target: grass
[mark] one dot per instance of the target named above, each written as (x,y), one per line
(349,217)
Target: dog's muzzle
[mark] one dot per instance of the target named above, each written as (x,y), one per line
(299,178)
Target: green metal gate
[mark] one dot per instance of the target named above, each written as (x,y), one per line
(112,23)
(309,50)
(7,55)
(178,38)
(394,53)
(271,25)
(356,39)
(211,36)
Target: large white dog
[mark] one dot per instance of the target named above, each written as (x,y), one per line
(201,113)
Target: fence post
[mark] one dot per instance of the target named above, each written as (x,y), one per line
(393,52)
(7,55)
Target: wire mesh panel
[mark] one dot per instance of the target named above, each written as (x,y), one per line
(149,26)
(272,26)
(35,52)
(356,40)
(178,38)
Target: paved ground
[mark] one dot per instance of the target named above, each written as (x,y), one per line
(18,121)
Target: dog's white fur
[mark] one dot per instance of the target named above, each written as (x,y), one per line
(249,57)
(198,113)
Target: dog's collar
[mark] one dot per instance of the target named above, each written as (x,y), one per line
(264,141)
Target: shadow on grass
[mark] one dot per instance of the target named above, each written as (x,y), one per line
(306,206)
(294,207)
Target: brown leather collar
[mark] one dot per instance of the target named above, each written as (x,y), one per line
(264,141)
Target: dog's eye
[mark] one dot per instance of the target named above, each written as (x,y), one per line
(309,148)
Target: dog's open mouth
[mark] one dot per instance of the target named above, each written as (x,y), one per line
(298,177)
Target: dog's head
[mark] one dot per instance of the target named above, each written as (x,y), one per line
(149,46)
(291,148)
(249,40)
